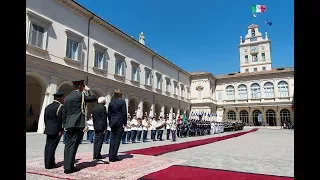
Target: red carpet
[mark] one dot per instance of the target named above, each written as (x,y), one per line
(191,173)
(159,150)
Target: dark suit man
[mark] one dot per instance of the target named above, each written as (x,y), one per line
(100,123)
(54,116)
(117,115)
(75,104)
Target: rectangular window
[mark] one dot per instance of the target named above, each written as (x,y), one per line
(159,82)
(148,78)
(135,76)
(247,70)
(255,69)
(168,85)
(120,67)
(182,92)
(219,95)
(263,56)
(74,50)
(246,59)
(175,88)
(99,60)
(263,68)
(37,36)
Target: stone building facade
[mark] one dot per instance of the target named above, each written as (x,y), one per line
(77,44)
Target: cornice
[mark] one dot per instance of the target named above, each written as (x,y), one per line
(98,20)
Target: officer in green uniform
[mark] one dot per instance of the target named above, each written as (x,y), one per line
(75,104)
(54,116)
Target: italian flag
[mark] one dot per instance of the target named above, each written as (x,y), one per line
(256,8)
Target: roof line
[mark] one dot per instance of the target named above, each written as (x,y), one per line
(134,40)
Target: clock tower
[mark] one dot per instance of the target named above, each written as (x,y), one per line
(255,51)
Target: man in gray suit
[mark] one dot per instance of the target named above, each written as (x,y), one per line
(75,104)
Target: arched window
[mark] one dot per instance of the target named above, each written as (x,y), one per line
(255,117)
(231,115)
(230,92)
(268,90)
(244,117)
(283,89)
(242,92)
(255,91)
(285,116)
(271,117)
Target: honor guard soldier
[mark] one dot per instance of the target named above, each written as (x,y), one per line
(54,117)
(75,104)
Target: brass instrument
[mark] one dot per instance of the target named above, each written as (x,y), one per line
(149,122)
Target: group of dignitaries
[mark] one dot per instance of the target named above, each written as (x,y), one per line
(69,114)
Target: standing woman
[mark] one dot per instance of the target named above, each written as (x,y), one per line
(117,115)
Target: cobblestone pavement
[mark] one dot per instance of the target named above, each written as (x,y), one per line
(267,151)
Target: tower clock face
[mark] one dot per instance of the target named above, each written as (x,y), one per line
(254,49)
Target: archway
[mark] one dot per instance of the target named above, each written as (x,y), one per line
(271,117)
(146,107)
(231,115)
(285,116)
(255,117)
(66,88)
(166,110)
(133,106)
(157,109)
(34,91)
(97,92)
(244,116)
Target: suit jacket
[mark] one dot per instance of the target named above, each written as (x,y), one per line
(73,102)
(117,113)
(99,115)
(52,121)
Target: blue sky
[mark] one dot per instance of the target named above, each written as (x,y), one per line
(200,35)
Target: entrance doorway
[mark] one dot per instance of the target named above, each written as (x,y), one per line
(255,117)
(271,117)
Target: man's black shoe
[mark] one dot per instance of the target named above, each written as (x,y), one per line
(68,171)
(115,160)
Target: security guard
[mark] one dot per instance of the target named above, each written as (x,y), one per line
(75,104)
(54,116)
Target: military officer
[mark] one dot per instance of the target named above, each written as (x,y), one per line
(54,116)
(75,104)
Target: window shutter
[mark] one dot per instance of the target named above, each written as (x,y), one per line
(104,59)
(80,51)
(138,74)
(123,68)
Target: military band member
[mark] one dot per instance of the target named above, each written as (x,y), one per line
(173,129)
(145,126)
(168,126)
(153,128)
(139,129)
(134,127)
(127,130)
(161,127)
(54,117)
(75,103)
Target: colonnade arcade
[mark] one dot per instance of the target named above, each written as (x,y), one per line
(40,90)
(271,116)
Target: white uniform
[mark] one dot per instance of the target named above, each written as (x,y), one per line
(128,127)
(153,124)
(144,125)
(173,125)
(161,122)
(134,124)
(168,124)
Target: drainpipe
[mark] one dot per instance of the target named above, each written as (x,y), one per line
(88,47)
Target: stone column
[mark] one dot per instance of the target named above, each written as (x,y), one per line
(237,114)
(108,98)
(140,107)
(278,121)
(126,98)
(264,117)
(171,113)
(47,99)
(162,111)
(152,110)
